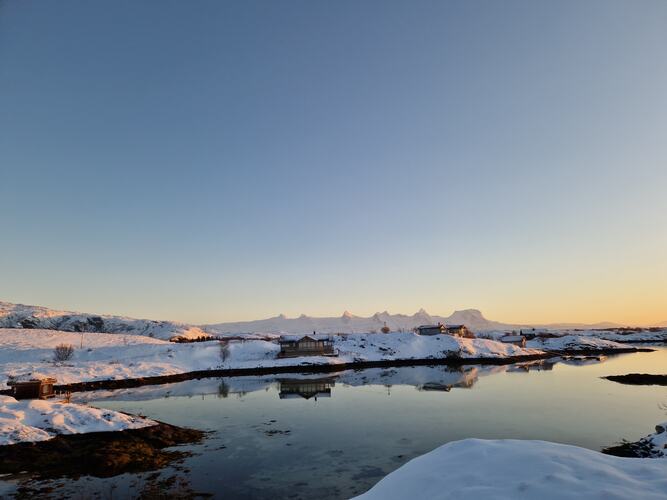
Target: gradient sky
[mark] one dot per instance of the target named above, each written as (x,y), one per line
(227,160)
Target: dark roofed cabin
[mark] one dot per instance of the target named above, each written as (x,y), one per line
(305,346)
(459,331)
(33,389)
(455,330)
(430,329)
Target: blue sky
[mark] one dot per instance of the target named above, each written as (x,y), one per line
(219,160)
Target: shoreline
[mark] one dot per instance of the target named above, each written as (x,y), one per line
(324,368)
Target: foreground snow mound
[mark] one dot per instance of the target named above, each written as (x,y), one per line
(513,469)
(29,317)
(37,420)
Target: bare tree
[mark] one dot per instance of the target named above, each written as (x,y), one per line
(63,352)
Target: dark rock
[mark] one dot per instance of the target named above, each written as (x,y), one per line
(100,454)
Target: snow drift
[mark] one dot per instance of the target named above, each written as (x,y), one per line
(514,469)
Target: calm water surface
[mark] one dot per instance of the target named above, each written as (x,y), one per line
(334,437)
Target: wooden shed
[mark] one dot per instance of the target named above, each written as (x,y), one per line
(291,347)
(33,389)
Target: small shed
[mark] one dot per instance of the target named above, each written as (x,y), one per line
(431,329)
(41,388)
(518,340)
(291,347)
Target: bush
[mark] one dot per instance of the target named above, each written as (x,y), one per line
(385,329)
(63,352)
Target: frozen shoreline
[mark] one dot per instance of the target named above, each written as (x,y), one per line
(114,360)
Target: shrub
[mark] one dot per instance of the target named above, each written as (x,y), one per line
(63,352)
(385,329)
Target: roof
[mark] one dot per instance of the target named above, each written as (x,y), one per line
(423,327)
(455,326)
(32,380)
(299,338)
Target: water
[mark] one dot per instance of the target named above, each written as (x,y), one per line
(362,425)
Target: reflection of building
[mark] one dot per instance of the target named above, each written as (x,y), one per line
(306,388)
(435,386)
(291,347)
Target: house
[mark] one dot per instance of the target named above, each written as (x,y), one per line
(518,340)
(291,347)
(454,330)
(431,329)
(459,331)
(41,388)
(305,388)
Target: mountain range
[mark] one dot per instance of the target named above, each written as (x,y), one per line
(349,323)
(26,316)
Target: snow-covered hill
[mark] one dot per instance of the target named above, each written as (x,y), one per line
(23,316)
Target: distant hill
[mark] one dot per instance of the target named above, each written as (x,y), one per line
(24,316)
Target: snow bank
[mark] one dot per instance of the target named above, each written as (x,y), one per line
(37,420)
(573,343)
(512,469)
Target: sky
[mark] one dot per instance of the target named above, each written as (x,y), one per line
(228,160)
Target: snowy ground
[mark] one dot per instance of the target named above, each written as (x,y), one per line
(512,469)
(37,420)
(616,335)
(115,356)
(572,343)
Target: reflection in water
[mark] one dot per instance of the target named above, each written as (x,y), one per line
(262,445)
(306,388)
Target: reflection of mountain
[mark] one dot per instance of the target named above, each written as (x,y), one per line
(461,377)
(416,376)
(306,388)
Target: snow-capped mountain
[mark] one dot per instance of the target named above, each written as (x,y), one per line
(349,323)
(23,316)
